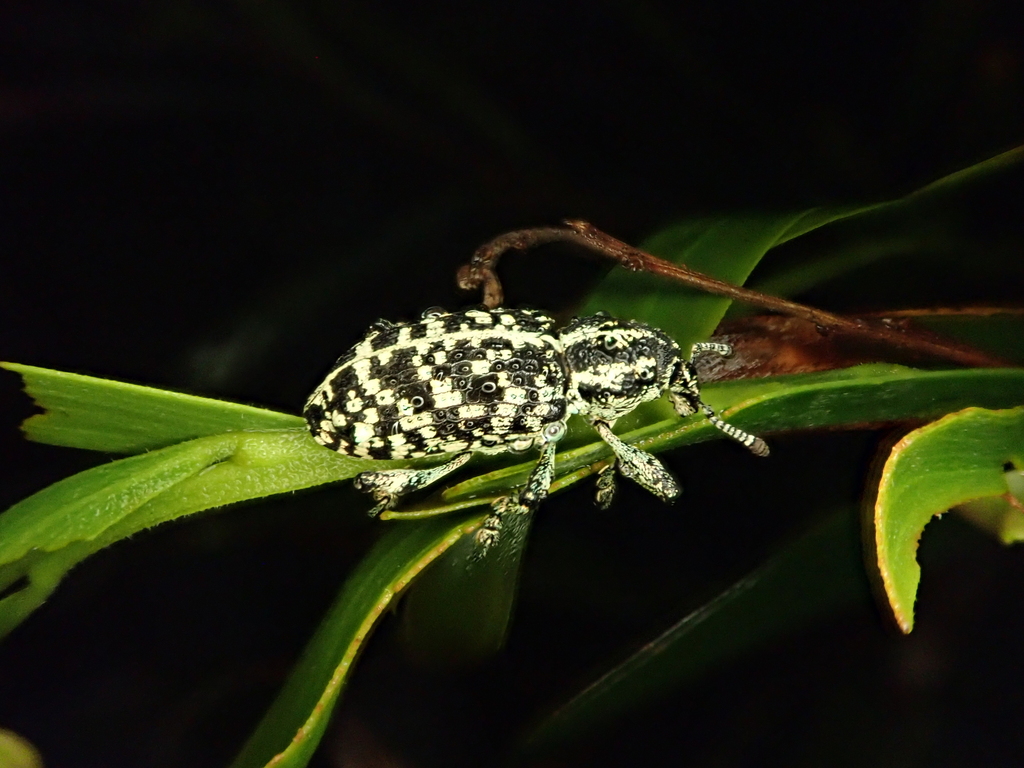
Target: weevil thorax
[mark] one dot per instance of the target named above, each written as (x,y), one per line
(614,365)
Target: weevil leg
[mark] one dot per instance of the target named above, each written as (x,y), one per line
(524,502)
(711,346)
(387,485)
(684,391)
(640,466)
(605,486)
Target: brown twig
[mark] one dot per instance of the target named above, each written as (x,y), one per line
(480,273)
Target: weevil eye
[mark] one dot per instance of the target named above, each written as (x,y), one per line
(610,342)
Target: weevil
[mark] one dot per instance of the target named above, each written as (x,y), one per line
(503,380)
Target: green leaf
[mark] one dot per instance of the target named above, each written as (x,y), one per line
(817,575)
(293,726)
(729,247)
(852,255)
(834,263)
(999,331)
(968,175)
(104,415)
(83,507)
(459,612)
(867,395)
(726,247)
(48,533)
(954,460)
(1002,516)
(18,752)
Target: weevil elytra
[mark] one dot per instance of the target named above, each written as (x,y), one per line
(499,380)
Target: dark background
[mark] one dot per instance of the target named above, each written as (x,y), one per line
(219,197)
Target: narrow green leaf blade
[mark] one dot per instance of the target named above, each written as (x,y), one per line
(460,611)
(998,331)
(727,247)
(730,247)
(873,394)
(104,415)
(850,256)
(1002,516)
(970,174)
(292,728)
(260,464)
(951,461)
(817,575)
(84,506)
(45,535)
(833,263)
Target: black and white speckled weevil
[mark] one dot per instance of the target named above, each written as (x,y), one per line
(501,380)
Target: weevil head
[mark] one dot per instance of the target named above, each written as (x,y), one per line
(614,365)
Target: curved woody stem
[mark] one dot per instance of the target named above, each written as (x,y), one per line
(480,273)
